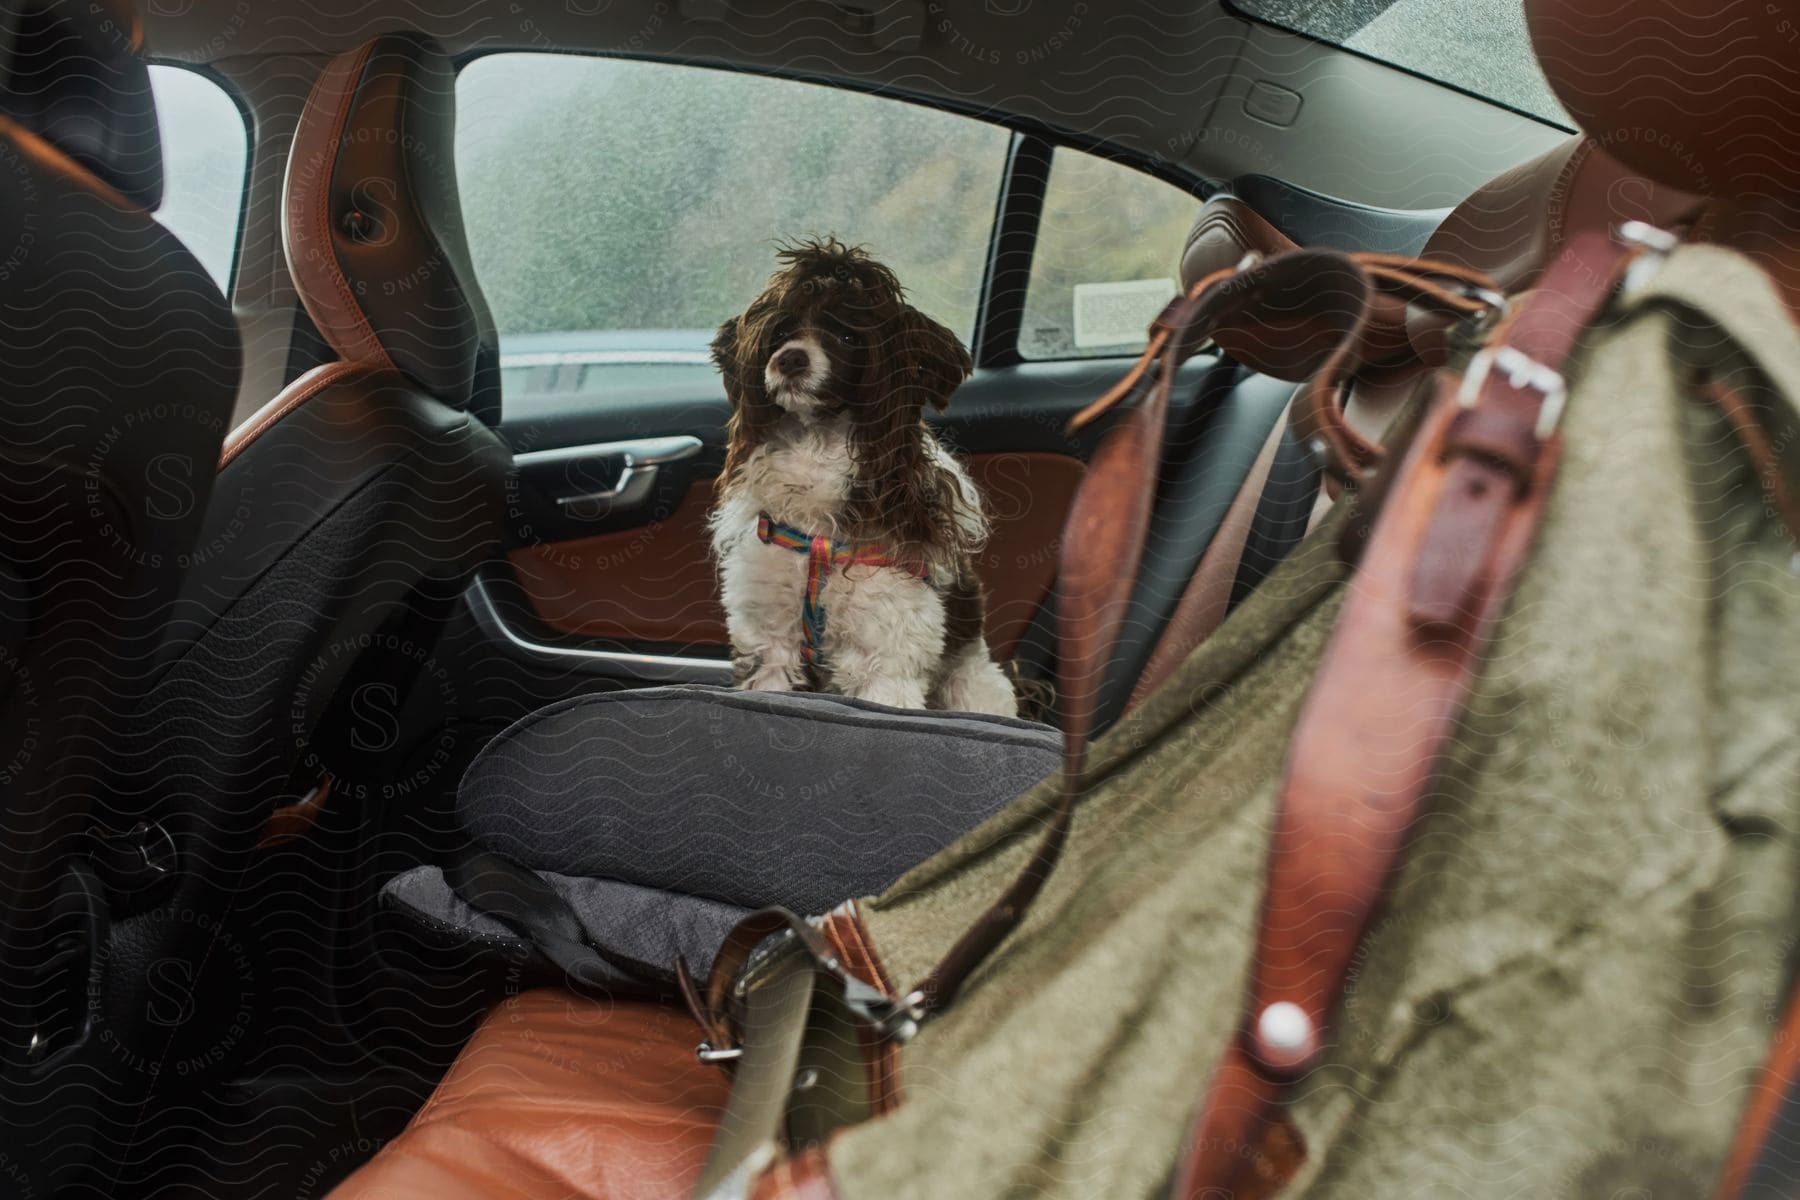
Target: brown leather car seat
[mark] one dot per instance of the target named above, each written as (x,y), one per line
(559,1096)
(1509,228)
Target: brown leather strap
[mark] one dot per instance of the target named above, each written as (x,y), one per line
(1776,1085)
(1347,456)
(307,230)
(802,1176)
(843,929)
(1741,414)
(1393,680)
(1303,307)
(1304,298)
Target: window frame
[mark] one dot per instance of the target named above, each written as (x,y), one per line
(212,74)
(1018,206)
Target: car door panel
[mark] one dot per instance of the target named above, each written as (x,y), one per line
(640,577)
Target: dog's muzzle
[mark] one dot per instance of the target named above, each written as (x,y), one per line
(795,373)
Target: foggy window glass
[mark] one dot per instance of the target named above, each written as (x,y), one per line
(1107,258)
(205,148)
(619,211)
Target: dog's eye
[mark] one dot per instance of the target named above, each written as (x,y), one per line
(849,337)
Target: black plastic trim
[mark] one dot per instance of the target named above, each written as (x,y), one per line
(1010,250)
(1316,219)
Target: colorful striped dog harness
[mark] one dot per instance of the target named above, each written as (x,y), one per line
(822,555)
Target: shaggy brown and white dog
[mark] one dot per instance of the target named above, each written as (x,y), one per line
(843,529)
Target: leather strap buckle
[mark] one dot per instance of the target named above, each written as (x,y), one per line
(706,1054)
(1522,372)
(896,1019)
(1657,244)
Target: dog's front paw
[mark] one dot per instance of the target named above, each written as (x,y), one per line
(768,679)
(754,673)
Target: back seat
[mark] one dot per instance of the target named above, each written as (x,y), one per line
(559,1096)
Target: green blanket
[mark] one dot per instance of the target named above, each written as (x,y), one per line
(1578,971)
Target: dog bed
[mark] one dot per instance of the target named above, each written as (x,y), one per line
(660,816)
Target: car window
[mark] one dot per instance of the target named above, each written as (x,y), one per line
(1480,46)
(1107,258)
(618,211)
(205,146)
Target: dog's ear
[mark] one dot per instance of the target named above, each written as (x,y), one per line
(735,353)
(936,357)
(725,357)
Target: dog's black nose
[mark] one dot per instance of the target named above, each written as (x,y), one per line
(792,362)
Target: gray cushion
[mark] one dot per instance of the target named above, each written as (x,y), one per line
(747,798)
(643,923)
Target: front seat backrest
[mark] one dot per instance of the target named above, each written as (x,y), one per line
(119,364)
(350,510)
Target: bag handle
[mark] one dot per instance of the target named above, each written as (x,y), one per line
(1437,570)
(1288,301)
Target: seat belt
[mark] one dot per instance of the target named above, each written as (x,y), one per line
(1207,597)
(1282,516)
(520,899)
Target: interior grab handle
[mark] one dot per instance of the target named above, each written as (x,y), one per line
(639,462)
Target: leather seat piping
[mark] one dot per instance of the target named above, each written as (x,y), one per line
(290,398)
(324,292)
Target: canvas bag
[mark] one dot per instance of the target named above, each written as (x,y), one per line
(1584,953)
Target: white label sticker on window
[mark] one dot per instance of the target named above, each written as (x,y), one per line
(1118,314)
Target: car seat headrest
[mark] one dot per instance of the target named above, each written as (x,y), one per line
(373,224)
(1701,95)
(72,72)
(1225,231)
(1512,225)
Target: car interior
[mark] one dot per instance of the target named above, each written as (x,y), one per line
(370,345)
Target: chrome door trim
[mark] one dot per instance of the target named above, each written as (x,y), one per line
(642,452)
(641,460)
(618,664)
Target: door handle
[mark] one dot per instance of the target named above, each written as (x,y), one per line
(639,462)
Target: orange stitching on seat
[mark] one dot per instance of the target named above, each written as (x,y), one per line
(285,402)
(344,72)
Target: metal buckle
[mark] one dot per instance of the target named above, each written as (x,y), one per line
(1650,237)
(1657,244)
(706,1054)
(1522,371)
(895,1020)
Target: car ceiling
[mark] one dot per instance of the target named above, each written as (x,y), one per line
(1184,87)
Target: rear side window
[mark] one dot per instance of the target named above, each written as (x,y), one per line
(1107,258)
(206,148)
(619,211)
